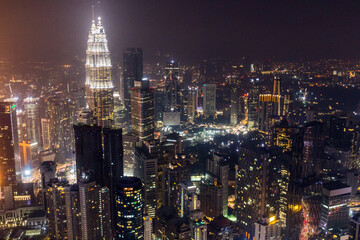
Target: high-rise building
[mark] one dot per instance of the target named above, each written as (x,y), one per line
(252,103)
(172,86)
(147,170)
(132,71)
(73,212)
(267,229)
(45,133)
(283,135)
(218,172)
(188,199)
(234,108)
(113,164)
(99,85)
(268,107)
(89,160)
(95,210)
(211,197)
(173,175)
(148,228)
(62,115)
(129,209)
(32,115)
(335,209)
(253,170)
(129,142)
(103,162)
(56,209)
(9,164)
(142,105)
(309,150)
(209,102)
(192,103)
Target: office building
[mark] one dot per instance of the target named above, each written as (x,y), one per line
(129,143)
(173,175)
(132,71)
(218,174)
(89,160)
(268,107)
(103,162)
(252,103)
(309,150)
(211,197)
(99,85)
(189,199)
(45,133)
(62,115)
(172,86)
(192,103)
(129,209)
(147,170)
(335,209)
(32,120)
(9,162)
(142,117)
(234,106)
(209,101)
(267,229)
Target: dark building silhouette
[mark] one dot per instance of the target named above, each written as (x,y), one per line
(132,71)
(9,144)
(99,158)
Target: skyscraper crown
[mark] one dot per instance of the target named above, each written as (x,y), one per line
(97,55)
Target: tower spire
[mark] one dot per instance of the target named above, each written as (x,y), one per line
(92,12)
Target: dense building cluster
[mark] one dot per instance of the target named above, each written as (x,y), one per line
(217,150)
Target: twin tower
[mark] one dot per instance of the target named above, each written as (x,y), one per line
(99,86)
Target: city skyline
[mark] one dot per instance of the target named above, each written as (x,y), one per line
(210,129)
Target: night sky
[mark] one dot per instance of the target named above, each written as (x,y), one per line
(56,30)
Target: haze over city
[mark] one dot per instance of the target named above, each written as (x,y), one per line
(179,120)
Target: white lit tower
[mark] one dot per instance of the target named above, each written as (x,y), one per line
(99,86)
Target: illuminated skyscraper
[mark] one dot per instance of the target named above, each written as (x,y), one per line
(32,115)
(335,209)
(142,105)
(268,106)
(172,87)
(147,169)
(9,144)
(129,209)
(45,133)
(252,103)
(192,103)
(62,115)
(98,85)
